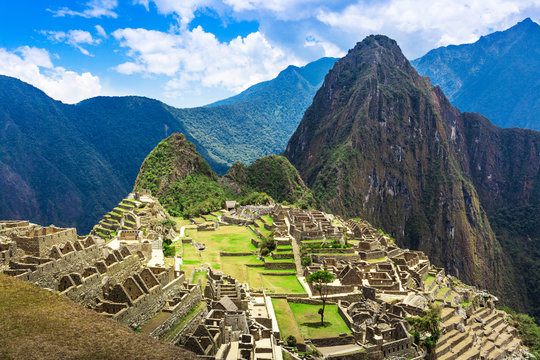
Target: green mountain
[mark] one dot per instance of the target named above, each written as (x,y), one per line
(382,143)
(186,186)
(69,164)
(275,176)
(498,76)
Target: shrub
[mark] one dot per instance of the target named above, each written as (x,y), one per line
(291,341)
(306,260)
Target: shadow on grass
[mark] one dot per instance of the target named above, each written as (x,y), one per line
(316,325)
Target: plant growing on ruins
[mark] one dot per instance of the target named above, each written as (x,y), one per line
(426,329)
(268,244)
(320,280)
(291,341)
(167,222)
(306,260)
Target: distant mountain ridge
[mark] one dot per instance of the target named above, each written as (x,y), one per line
(382,143)
(70,164)
(497,76)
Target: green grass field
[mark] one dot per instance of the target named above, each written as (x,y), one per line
(268,219)
(200,275)
(309,321)
(235,266)
(286,321)
(225,238)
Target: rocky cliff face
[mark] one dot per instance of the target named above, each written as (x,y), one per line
(380,142)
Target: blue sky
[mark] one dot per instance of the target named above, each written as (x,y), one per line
(193,52)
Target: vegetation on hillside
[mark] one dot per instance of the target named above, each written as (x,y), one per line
(37,324)
(274,176)
(529,331)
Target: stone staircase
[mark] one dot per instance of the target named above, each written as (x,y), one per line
(487,336)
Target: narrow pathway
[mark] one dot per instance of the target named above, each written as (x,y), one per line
(297,257)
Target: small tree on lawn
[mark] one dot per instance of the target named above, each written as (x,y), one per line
(320,280)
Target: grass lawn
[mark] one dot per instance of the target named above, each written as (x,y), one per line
(429,280)
(262,230)
(234,265)
(268,219)
(309,321)
(441,292)
(376,260)
(282,284)
(200,275)
(225,238)
(286,321)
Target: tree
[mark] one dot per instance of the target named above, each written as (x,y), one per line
(319,280)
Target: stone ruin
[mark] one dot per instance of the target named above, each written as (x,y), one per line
(116,283)
(235,325)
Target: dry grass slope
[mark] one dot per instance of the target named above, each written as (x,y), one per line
(36,324)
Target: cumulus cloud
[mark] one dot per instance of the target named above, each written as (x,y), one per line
(193,58)
(93,9)
(418,25)
(74,38)
(34,66)
(184,10)
(440,22)
(329,49)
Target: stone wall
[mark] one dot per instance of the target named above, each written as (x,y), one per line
(333,341)
(187,329)
(189,301)
(38,242)
(332,251)
(318,258)
(279,265)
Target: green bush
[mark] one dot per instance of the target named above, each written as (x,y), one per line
(291,341)
(306,260)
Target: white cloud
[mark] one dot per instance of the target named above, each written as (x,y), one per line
(34,66)
(196,58)
(330,49)
(442,22)
(184,9)
(93,9)
(74,38)
(101,31)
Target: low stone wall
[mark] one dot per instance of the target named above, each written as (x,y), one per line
(279,265)
(256,231)
(318,258)
(223,253)
(255,243)
(332,251)
(236,221)
(188,302)
(362,354)
(308,301)
(333,341)
(188,328)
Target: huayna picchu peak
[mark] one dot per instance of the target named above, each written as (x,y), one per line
(382,143)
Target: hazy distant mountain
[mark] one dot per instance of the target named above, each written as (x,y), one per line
(497,76)
(70,164)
